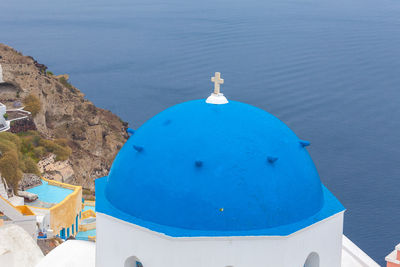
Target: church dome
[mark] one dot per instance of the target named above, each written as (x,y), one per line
(214,169)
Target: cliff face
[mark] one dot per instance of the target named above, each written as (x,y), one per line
(94,134)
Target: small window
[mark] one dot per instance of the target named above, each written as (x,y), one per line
(312,260)
(132,261)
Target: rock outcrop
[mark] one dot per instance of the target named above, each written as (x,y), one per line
(61,171)
(29,180)
(94,134)
(28,195)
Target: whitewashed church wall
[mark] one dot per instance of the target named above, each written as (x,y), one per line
(118,240)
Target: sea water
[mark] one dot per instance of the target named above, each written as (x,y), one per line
(330,69)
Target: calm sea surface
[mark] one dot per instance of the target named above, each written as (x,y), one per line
(330,69)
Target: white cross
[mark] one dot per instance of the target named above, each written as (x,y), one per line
(217,82)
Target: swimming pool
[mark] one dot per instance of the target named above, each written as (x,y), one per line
(50,193)
(84,235)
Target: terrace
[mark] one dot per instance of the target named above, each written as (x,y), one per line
(58,206)
(48,195)
(9,115)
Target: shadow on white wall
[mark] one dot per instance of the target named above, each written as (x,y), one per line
(312,260)
(132,261)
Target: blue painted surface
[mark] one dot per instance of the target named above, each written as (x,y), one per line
(85,234)
(50,193)
(235,191)
(62,233)
(130,131)
(85,208)
(331,206)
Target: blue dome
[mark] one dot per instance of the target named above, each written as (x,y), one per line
(215,169)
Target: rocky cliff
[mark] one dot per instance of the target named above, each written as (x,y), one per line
(94,134)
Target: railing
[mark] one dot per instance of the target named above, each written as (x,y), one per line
(4,128)
(87,214)
(90,203)
(18,114)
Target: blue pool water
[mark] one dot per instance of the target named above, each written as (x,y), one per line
(85,234)
(85,208)
(50,193)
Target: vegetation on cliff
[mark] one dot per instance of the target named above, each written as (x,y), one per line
(32,104)
(10,159)
(60,111)
(20,153)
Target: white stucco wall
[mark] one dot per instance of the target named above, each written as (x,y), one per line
(27,222)
(45,222)
(353,256)
(72,253)
(118,240)
(17,248)
(2,112)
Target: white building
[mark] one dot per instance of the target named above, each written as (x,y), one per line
(17,248)
(4,124)
(18,215)
(13,211)
(16,114)
(212,183)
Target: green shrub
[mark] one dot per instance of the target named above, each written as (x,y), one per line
(64,82)
(5,116)
(32,104)
(26,145)
(12,138)
(39,152)
(62,142)
(6,146)
(49,73)
(20,153)
(61,152)
(30,166)
(37,147)
(10,170)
